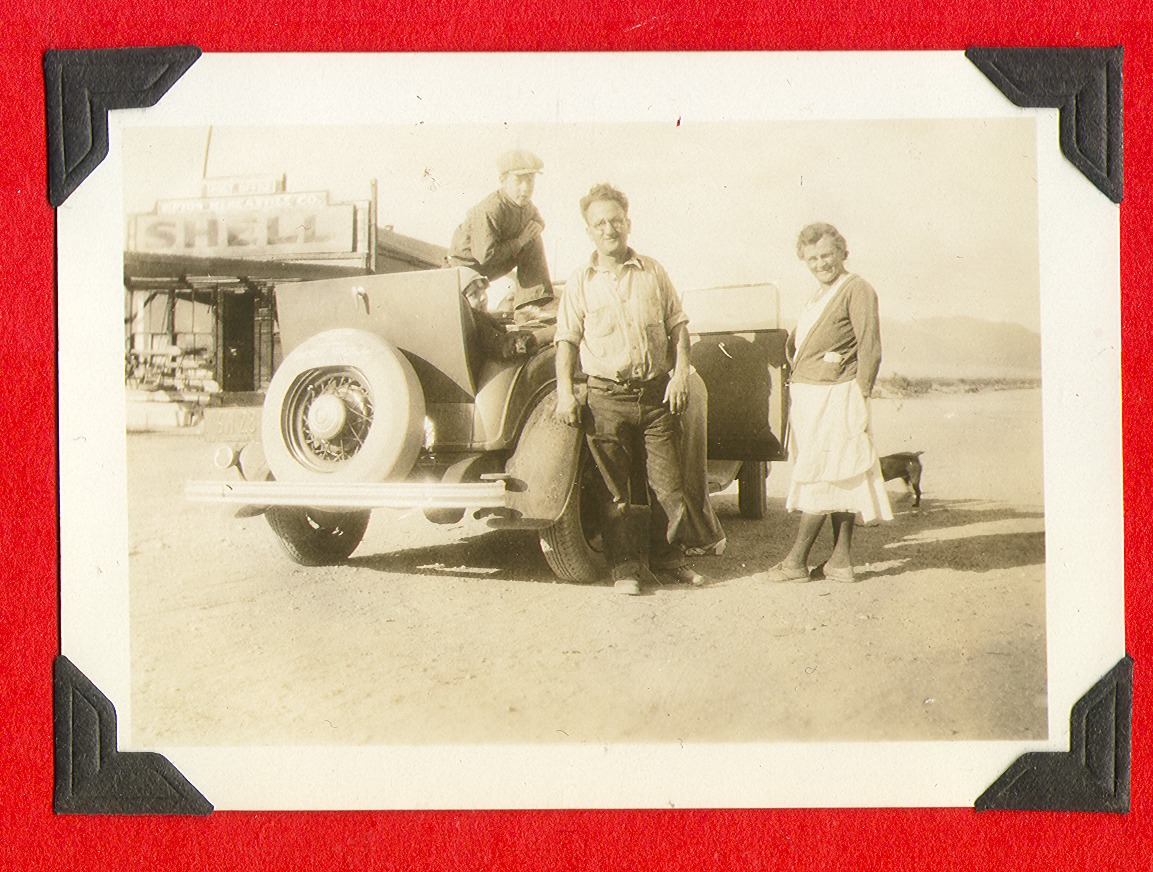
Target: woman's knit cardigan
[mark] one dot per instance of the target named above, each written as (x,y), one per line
(844,343)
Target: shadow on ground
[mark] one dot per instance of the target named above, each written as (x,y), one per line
(506,554)
(961,535)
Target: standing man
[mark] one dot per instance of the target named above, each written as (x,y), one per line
(502,232)
(621,314)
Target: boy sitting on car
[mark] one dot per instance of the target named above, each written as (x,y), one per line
(502,233)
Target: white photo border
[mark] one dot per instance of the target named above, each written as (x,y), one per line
(1081,378)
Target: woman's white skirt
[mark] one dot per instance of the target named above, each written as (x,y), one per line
(836,468)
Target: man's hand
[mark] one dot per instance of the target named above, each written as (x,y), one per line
(531,231)
(677,393)
(567,409)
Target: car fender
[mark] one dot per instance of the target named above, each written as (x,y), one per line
(540,473)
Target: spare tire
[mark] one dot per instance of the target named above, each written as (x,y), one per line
(345,405)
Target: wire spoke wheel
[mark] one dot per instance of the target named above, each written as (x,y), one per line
(327,416)
(344,405)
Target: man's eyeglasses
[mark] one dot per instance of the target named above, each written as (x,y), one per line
(615,223)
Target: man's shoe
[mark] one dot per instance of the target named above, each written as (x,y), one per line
(536,313)
(717,548)
(627,586)
(684,575)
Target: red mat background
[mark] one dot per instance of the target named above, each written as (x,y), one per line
(31,837)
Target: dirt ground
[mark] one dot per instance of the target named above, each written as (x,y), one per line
(461,635)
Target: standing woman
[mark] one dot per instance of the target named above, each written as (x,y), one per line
(835,354)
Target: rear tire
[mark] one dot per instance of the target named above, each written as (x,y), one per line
(314,538)
(752,497)
(568,544)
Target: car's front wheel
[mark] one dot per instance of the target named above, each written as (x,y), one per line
(312,537)
(573,545)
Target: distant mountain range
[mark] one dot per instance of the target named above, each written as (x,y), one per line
(958,347)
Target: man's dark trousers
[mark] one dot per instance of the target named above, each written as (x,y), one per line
(629,428)
(533,284)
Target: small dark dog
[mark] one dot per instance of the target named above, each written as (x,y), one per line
(906,467)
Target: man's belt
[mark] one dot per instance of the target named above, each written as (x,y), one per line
(632,385)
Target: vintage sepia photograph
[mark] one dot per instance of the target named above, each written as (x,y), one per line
(562,431)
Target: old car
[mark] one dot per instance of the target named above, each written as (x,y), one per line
(386,399)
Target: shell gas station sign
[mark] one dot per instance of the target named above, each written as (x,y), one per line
(252,218)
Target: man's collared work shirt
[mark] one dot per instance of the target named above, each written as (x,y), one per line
(621,323)
(487,239)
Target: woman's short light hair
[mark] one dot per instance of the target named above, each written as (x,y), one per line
(814,233)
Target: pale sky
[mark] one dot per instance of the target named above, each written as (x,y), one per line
(940,215)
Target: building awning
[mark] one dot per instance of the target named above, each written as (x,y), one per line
(141,265)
